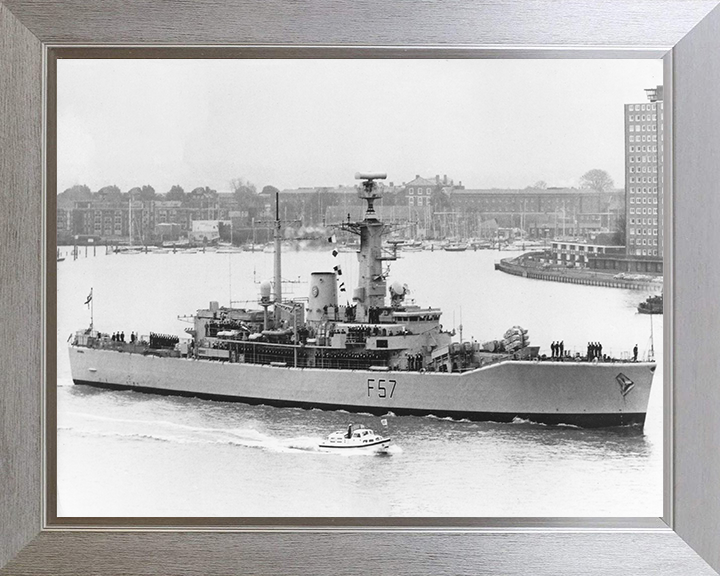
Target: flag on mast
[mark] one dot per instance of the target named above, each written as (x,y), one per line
(89,298)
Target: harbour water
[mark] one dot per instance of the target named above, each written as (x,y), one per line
(131,454)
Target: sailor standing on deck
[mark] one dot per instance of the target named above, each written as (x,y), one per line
(635,352)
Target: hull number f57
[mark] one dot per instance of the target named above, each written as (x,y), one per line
(381,387)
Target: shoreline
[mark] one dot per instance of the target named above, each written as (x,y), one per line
(574,276)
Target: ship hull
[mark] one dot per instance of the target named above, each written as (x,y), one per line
(575,393)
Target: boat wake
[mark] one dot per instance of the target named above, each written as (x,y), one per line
(392,449)
(524,421)
(173,432)
(447,418)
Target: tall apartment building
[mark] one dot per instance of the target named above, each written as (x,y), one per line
(644,176)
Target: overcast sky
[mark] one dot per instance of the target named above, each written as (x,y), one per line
(291,123)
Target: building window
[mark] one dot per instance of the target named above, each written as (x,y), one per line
(419,201)
(411,190)
(412,201)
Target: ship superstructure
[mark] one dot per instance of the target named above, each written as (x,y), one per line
(370,355)
(319,332)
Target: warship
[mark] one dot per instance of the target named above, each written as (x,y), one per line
(379,354)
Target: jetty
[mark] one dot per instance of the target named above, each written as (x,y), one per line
(519,266)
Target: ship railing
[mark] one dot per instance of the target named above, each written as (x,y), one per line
(250,352)
(609,356)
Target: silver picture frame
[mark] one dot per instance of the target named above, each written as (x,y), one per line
(686,540)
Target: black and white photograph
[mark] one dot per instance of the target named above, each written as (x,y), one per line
(359,288)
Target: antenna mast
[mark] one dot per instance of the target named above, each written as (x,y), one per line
(369,296)
(276,236)
(652,340)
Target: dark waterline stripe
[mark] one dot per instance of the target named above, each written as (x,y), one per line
(343,446)
(582,420)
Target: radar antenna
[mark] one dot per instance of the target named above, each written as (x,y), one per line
(369,190)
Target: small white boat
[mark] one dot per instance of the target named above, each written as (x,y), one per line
(456,247)
(356,438)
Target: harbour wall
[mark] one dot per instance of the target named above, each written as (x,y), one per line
(584,277)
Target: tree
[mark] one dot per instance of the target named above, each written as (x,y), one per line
(540,185)
(270,190)
(142,193)
(246,197)
(175,193)
(108,192)
(242,188)
(225,231)
(204,192)
(111,194)
(77,193)
(147,193)
(597,180)
(441,201)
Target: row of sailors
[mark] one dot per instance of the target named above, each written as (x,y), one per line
(120,337)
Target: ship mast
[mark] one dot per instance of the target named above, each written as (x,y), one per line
(276,236)
(370,292)
(652,340)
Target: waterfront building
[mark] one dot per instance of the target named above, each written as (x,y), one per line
(419,191)
(67,222)
(321,205)
(643,190)
(644,175)
(167,232)
(203,203)
(579,254)
(205,231)
(425,198)
(173,212)
(541,212)
(107,219)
